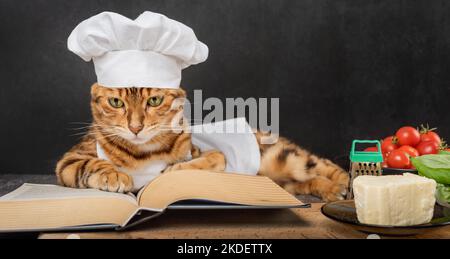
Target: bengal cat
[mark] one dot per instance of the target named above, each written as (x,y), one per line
(131,126)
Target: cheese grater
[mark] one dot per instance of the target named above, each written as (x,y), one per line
(364,162)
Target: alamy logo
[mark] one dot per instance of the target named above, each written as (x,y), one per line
(262,113)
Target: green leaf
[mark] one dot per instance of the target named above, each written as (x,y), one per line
(435,161)
(436,167)
(443,192)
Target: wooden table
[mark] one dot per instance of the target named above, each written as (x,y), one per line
(242,224)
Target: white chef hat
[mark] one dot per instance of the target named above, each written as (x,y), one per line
(149,51)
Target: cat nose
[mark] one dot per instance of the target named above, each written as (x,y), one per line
(136,129)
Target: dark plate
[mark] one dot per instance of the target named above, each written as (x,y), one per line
(393,171)
(345,212)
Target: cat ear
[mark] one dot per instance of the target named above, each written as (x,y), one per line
(94,89)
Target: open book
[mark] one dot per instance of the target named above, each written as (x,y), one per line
(34,207)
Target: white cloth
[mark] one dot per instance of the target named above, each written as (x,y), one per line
(149,51)
(234,138)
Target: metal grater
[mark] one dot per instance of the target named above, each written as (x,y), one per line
(364,162)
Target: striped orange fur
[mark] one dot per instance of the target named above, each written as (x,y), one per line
(137,133)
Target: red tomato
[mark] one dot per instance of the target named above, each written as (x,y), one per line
(399,159)
(408,136)
(371,149)
(384,164)
(427,134)
(388,144)
(430,136)
(410,150)
(428,147)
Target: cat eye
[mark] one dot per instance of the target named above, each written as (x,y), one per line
(155,101)
(115,102)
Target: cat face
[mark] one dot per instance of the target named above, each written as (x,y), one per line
(136,114)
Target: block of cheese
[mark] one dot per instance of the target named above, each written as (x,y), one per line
(394,200)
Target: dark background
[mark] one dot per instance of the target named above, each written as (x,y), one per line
(342,69)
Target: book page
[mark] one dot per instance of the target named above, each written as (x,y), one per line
(47,191)
(214,186)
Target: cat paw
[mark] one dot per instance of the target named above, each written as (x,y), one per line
(343,179)
(111,181)
(335,192)
(338,188)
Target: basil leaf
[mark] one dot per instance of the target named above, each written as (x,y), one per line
(435,161)
(436,167)
(443,192)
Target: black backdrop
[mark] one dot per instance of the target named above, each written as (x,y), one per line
(342,69)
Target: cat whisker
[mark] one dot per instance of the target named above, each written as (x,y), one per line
(79,133)
(151,128)
(91,126)
(160,142)
(79,122)
(110,137)
(82,128)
